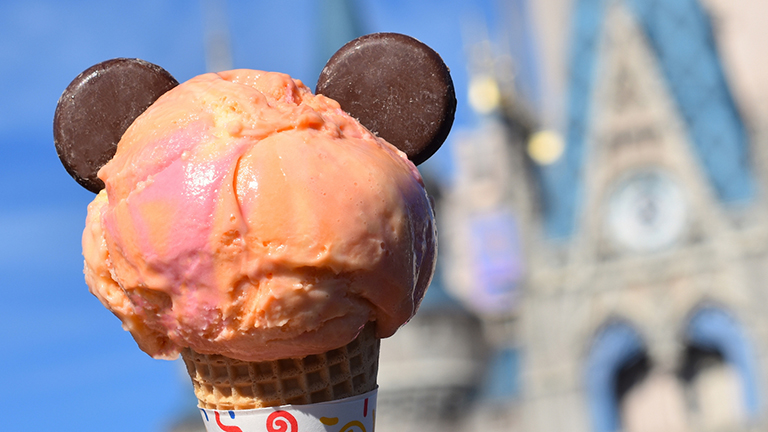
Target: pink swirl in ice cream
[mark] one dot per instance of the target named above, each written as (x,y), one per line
(245,216)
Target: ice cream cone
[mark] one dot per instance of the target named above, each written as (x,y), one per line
(224,383)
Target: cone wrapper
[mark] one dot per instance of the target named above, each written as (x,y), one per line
(353,414)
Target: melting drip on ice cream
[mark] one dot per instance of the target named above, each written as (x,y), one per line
(245,216)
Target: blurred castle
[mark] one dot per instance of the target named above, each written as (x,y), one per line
(618,243)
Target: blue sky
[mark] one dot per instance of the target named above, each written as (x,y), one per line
(68,365)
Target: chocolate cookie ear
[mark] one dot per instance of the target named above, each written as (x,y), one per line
(96,109)
(397,87)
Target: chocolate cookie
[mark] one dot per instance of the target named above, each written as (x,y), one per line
(96,109)
(397,87)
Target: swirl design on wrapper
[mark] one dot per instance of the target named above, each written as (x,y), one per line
(282,421)
(224,427)
(353,423)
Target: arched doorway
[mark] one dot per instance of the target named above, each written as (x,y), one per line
(616,362)
(718,368)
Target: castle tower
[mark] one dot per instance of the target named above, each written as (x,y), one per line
(647,310)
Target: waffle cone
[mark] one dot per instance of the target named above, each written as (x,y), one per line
(225,383)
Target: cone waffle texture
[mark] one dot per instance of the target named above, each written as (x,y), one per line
(224,383)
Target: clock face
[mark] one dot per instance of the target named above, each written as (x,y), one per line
(647,212)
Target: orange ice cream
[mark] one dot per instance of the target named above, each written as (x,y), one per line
(245,216)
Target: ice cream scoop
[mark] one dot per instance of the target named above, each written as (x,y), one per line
(245,216)
(256,228)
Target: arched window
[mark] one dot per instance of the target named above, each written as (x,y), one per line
(715,338)
(617,360)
